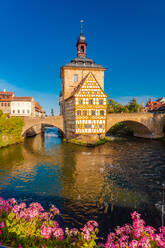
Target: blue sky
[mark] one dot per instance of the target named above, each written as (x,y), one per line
(39,36)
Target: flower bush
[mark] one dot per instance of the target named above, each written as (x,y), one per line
(22,226)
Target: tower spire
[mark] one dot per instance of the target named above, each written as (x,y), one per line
(81,43)
(81,21)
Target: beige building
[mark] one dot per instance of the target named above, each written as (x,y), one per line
(5,101)
(39,111)
(83,101)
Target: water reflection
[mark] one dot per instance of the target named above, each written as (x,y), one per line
(105,183)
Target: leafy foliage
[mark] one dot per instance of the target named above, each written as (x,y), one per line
(10,129)
(115,107)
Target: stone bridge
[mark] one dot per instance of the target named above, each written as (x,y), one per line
(145,125)
(33,122)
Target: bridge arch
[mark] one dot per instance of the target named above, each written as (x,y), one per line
(34,124)
(37,128)
(139,129)
(145,125)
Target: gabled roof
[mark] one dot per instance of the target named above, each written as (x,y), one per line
(76,90)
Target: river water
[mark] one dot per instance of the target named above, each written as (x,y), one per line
(105,183)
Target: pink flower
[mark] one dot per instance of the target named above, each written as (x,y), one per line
(37,206)
(22,205)
(12,201)
(54,210)
(58,233)
(134,244)
(2,224)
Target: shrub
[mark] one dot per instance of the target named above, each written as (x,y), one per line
(22,226)
(10,129)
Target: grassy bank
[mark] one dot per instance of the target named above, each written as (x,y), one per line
(10,130)
(83,143)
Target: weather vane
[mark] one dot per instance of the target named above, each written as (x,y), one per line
(82,21)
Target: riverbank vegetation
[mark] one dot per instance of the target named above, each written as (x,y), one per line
(85,143)
(131,107)
(22,226)
(10,129)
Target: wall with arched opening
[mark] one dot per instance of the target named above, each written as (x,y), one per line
(139,129)
(39,128)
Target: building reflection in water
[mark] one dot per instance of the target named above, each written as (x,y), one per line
(82,181)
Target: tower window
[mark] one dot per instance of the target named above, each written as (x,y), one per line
(101,102)
(75,77)
(102,112)
(82,49)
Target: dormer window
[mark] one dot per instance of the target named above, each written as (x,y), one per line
(75,77)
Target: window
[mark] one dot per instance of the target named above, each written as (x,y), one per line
(86,126)
(3,96)
(23,111)
(84,112)
(13,111)
(92,112)
(89,125)
(101,101)
(7,97)
(18,111)
(100,126)
(5,104)
(95,92)
(102,112)
(82,49)
(78,125)
(78,112)
(90,101)
(2,104)
(28,111)
(80,101)
(75,77)
(8,104)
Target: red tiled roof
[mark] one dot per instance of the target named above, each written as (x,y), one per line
(38,107)
(154,105)
(22,98)
(6,93)
(6,96)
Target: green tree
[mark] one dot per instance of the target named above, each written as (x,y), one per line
(133,106)
(115,107)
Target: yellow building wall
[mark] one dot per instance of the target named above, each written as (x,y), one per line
(86,123)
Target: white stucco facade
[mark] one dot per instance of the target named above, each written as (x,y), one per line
(22,108)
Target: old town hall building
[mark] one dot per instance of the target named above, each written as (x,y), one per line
(83,101)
